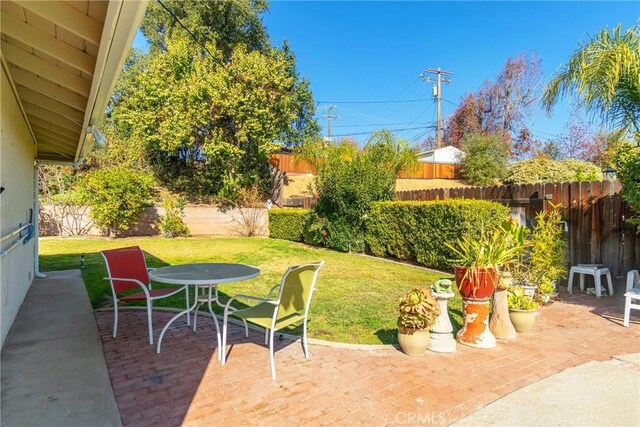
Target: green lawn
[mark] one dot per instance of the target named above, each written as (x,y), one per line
(356,300)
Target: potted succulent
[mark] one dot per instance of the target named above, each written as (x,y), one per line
(440,336)
(522,309)
(417,313)
(477,263)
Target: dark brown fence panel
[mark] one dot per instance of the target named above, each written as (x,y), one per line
(594,213)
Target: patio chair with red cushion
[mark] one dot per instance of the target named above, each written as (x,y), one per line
(127,270)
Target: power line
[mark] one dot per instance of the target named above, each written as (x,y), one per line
(375,124)
(392,130)
(401,101)
(398,94)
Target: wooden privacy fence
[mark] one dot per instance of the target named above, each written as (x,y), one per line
(285,162)
(594,213)
(432,171)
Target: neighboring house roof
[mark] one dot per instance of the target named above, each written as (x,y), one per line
(447,155)
(63,59)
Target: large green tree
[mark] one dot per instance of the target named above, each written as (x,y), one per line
(204,108)
(206,127)
(603,74)
(225,23)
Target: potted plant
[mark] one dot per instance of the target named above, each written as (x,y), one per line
(515,236)
(441,334)
(548,258)
(522,309)
(477,263)
(417,313)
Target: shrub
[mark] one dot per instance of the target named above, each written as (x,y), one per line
(628,164)
(347,184)
(416,231)
(248,216)
(116,196)
(548,257)
(288,224)
(485,159)
(171,223)
(544,169)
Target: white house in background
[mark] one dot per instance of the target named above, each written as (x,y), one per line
(60,61)
(446,155)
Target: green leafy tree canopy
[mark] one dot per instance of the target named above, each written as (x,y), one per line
(485,159)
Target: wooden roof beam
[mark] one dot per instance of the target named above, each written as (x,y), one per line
(44,42)
(30,80)
(45,69)
(69,142)
(66,17)
(50,104)
(51,127)
(50,116)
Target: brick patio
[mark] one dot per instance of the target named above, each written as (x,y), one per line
(185,384)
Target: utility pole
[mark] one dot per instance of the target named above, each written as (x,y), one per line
(437,93)
(329,116)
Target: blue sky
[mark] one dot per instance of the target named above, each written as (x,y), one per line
(374,51)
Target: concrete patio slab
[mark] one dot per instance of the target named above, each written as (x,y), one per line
(593,394)
(53,368)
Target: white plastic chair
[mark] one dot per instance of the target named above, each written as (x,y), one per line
(632,293)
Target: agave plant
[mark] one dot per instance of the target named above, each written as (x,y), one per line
(418,310)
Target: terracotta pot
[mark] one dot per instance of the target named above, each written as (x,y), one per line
(475,331)
(523,320)
(481,285)
(414,342)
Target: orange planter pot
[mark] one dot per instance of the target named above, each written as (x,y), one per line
(481,285)
(475,331)
(476,291)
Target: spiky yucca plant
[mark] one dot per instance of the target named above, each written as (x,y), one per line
(418,310)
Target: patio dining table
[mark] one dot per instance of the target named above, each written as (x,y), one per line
(205,279)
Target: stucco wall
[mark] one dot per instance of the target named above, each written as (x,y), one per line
(17,153)
(201,220)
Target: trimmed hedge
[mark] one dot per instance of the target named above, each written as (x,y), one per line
(416,231)
(288,224)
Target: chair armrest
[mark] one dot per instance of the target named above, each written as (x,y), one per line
(227,306)
(137,282)
(272,289)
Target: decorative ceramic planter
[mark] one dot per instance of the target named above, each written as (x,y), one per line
(479,287)
(413,342)
(441,335)
(523,320)
(476,293)
(500,323)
